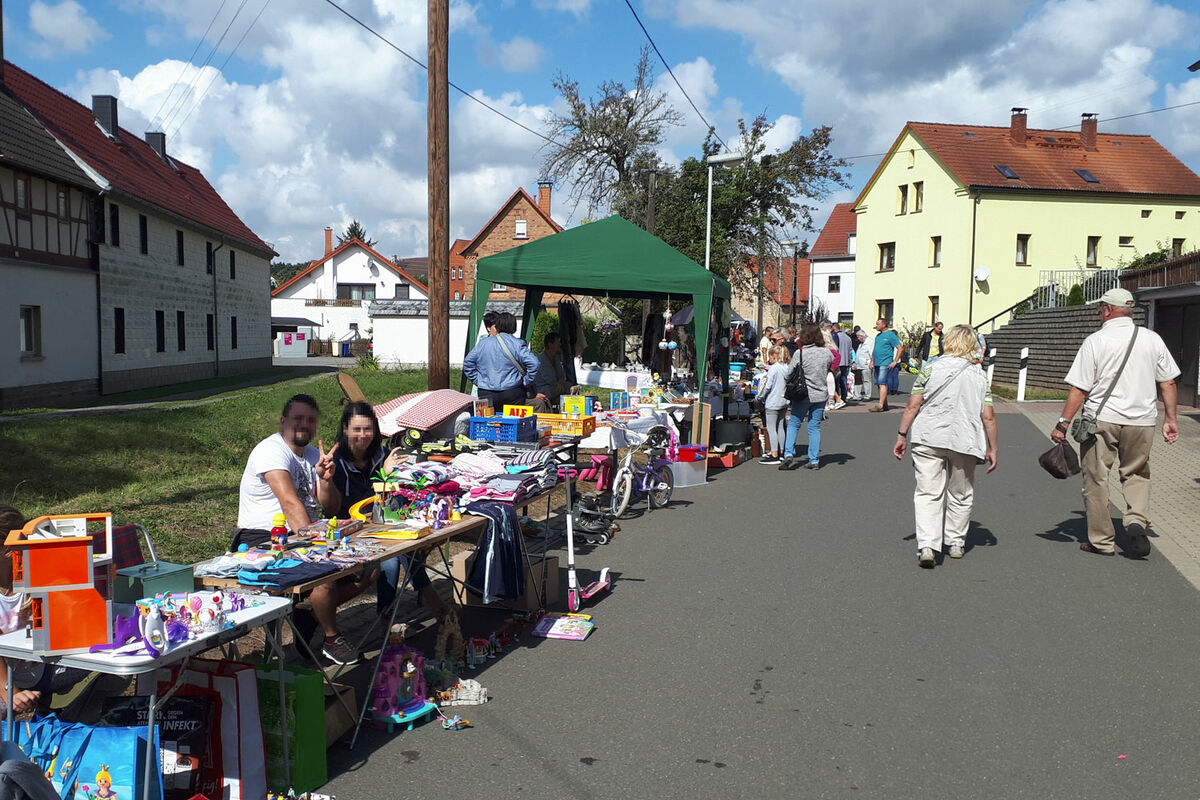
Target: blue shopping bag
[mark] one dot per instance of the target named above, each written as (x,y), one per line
(56,747)
(112,766)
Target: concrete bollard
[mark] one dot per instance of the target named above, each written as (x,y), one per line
(1021,374)
(991,364)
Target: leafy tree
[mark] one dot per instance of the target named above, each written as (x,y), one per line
(355,230)
(282,271)
(608,137)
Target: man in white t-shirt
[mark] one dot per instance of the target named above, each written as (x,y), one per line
(282,476)
(1125,425)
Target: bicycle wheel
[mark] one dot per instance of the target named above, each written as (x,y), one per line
(663,484)
(622,491)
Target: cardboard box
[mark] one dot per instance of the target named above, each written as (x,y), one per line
(461,568)
(337,722)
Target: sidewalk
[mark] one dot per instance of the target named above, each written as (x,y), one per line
(1175,471)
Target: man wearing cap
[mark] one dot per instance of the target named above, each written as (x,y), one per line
(1125,426)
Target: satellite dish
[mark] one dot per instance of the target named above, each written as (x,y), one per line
(982,273)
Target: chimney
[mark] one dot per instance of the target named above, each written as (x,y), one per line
(544,188)
(158,141)
(1016,128)
(1087,132)
(328,240)
(104,106)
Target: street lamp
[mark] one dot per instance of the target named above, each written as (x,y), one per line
(795,245)
(720,158)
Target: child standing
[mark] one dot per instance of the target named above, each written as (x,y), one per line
(775,402)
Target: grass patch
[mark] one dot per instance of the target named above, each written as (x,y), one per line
(1031,392)
(175,468)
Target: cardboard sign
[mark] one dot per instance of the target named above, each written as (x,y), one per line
(518,411)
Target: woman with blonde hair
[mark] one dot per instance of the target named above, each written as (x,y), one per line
(775,402)
(950,421)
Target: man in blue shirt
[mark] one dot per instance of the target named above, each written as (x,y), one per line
(886,358)
(501,366)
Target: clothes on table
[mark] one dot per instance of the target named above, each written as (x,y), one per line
(286,572)
(499,571)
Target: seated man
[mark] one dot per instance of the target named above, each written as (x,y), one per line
(551,381)
(281,478)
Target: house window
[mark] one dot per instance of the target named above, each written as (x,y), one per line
(846,318)
(499,287)
(883,310)
(31,331)
(402,290)
(143,235)
(22,193)
(457,296)
(902,199)
(887,257)
(353,326)
(918,196)
(179,248)
(233,333)
(1146,213)
(1179,214)
(356,291)
(1125,241)
(64,202)
(1023,249)
(935,251)
(160,331)
(835,284)
(96,221)
(912,158)
(935,304)
(1093,249)
(232,265)
(180,332)
(208,258)
(1176,248)
(114,225)
(522,230)
(118,330)
(209,330)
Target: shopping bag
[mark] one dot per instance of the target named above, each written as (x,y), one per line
(301,720)
(113,766)
(56,747)
(1060,461)
(244,775)
(188,736)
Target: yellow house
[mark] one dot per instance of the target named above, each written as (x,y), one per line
(961,222)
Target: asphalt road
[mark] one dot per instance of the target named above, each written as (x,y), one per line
(770,635)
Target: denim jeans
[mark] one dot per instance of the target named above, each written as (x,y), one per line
(889,377)
(814,412)
(389,578)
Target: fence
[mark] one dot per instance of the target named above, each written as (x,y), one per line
(1055,284)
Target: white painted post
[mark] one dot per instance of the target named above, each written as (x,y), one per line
(1021,374)
(991,364)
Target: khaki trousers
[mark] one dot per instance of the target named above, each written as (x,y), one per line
(1131,444)
(944,496)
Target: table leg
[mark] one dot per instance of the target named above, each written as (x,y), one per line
(151,756)
(8,694)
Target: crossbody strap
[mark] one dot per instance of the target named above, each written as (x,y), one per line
(521,367)
(1120,369)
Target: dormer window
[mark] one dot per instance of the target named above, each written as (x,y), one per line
(1087,175)
(522,229)
(1008,172)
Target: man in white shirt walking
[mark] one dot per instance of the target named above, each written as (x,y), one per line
(1125,424)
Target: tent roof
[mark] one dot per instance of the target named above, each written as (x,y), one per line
(611,256)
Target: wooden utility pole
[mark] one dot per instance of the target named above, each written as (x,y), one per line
(438,116)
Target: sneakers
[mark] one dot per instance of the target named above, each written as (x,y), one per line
(338,650)
(813,465)
(956,551)
(785,463)
(839,404)
(925,558)
(769,459)
(1139,544)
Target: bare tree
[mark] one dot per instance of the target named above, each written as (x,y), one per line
(605,136)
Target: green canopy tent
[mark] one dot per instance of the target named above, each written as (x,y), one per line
(610,257)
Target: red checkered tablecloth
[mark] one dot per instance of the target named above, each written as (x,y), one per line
(422,410)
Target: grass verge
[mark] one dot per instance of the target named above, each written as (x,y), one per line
(1031,392)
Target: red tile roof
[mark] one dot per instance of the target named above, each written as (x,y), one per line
(130,165)
(509,203)
(832,243)
(343,246)
(1121,163)
(777,280)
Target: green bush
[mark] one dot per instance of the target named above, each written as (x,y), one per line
(1075,296)
(601,346)
(367,361)
(545,323)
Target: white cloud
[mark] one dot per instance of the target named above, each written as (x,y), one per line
(516,55)
(65,27)
(576,7)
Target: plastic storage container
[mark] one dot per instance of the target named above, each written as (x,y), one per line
(504,429)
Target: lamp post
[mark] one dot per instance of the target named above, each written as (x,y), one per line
(720,158)
(795,245)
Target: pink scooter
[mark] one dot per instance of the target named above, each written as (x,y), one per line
(577,595)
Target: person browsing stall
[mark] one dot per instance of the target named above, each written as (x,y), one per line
(358,455)
(551,375)
(501,366)
(281,477)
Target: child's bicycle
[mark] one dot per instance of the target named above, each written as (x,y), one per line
(634,480)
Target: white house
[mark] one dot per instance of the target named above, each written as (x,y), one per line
(831,280)
(335,291)
(402,329)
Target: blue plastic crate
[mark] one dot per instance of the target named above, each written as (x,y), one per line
(504,429)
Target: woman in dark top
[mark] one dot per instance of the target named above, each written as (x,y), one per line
(358,455)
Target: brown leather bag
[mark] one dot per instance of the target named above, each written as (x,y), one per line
(1060,461)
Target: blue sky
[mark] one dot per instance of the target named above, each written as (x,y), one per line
(311,121)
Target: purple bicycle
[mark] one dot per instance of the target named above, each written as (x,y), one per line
(652,480)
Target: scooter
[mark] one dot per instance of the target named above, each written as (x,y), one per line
(578,595)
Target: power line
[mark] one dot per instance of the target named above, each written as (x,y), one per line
(195,81)
(670,72)
(188,63)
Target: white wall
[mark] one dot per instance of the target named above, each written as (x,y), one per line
(67,299)
(405,340)
(843,301)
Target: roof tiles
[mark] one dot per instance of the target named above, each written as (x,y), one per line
(834,238)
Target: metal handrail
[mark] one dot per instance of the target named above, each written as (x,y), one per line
(992,320)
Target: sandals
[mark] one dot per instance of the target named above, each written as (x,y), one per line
(1088,547)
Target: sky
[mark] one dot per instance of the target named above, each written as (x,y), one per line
(301,118)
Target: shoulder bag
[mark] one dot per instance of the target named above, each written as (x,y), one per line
(795,388)
(516,363)
(1083,428)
